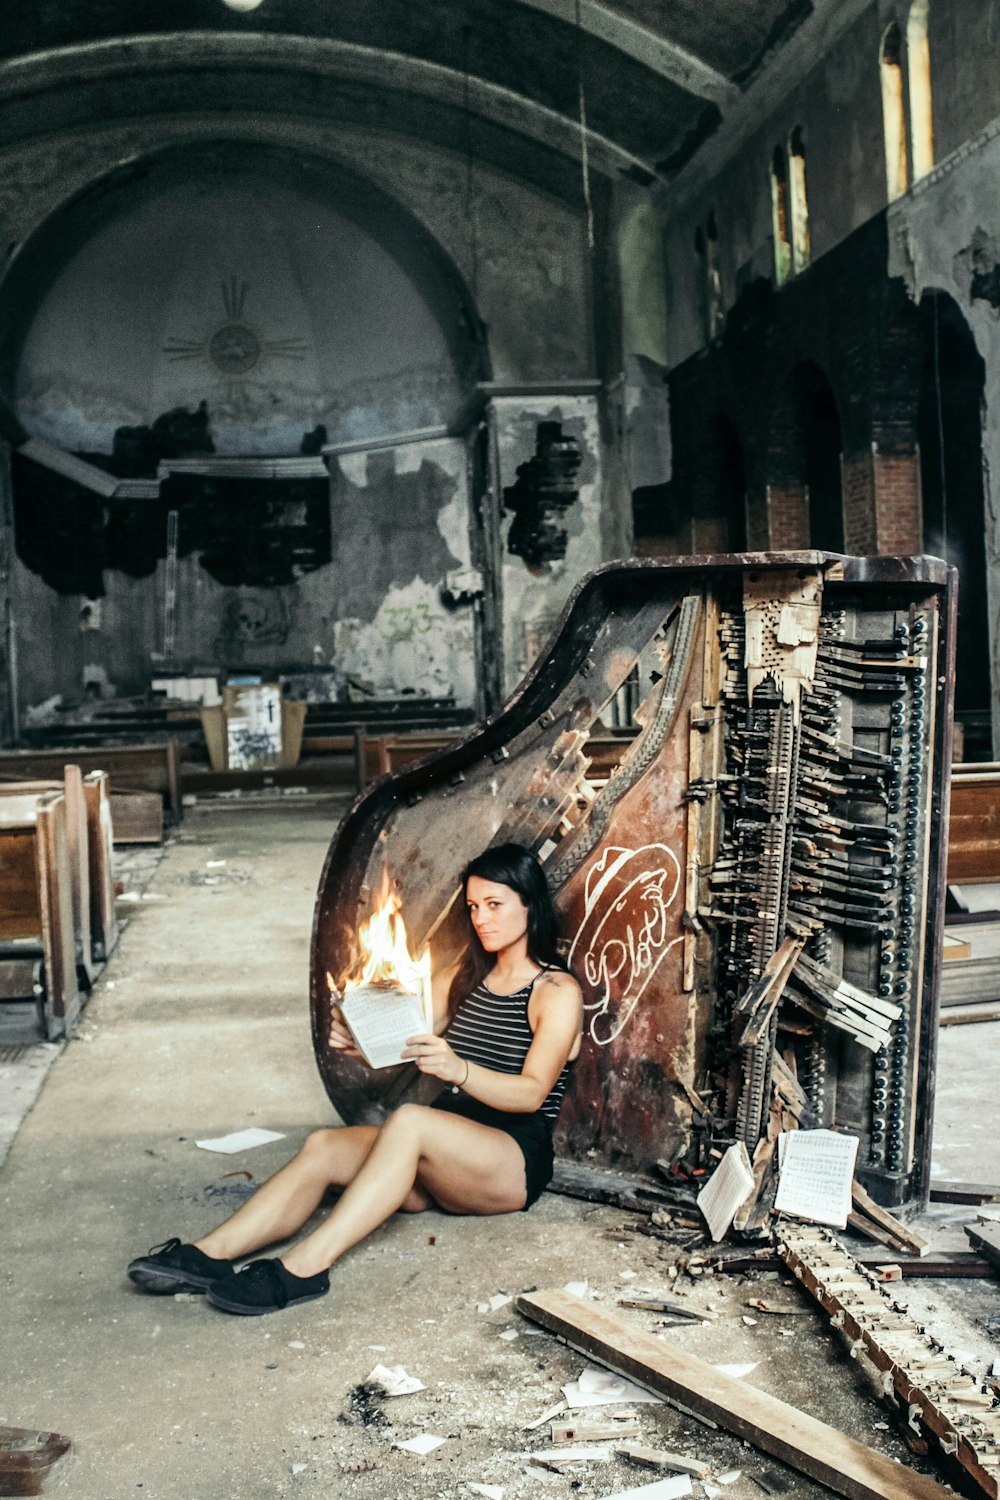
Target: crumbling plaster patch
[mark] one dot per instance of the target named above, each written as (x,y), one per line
(933,234)
(532,600)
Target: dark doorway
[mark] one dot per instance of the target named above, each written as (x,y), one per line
(726,486)
(949,432)
(819,426)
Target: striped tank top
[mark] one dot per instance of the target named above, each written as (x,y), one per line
(493,1031)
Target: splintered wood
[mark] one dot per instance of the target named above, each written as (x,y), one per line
(937,1395)
(845,1466)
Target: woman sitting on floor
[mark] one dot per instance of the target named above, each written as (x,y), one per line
(483,1147)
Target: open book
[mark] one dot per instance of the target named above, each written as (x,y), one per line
(380,1018)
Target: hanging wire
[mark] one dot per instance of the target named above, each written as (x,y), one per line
(584,152)
(939,414)
(468,207)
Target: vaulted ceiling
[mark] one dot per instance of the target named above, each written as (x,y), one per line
(504,80)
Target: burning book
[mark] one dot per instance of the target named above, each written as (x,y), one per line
(386,997)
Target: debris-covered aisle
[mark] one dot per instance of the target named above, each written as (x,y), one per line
(200,1027)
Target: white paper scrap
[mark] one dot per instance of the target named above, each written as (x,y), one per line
(395,1381)
(569,1455)
(241,1140)
(731,1476)
(491,1491)
(726,1190)
(817,1169)
(603,1388)
(499,1299)
(509,1334)
(661,1489)
(576,1288)
(736,1372)
(425,1443)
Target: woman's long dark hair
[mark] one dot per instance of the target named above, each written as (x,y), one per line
(515,866)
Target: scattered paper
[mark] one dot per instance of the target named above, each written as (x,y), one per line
(491,1491)
(509,1334)
(299,1468)
(731,1476)
(817,1169)
(576,1288)
(394,1381)
(499,1299)
(736,1372)
(661,1489)
(726,1190)
(241,1140)
(569,1455)
(296,1344)
(603,1388)
(214,864)
(425,1443)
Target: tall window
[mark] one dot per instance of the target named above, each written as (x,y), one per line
(706,243)
(781,217)
(893,122)
(797,199)
(918,67)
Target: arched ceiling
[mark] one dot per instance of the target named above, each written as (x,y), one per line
(498,79)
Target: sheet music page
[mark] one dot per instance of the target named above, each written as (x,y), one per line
(817,1169)
(381,1018)
(726,1190)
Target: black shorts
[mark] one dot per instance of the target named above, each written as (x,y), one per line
(533,1133)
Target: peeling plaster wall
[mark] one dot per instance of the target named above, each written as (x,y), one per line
(533,599)
(945,235)
(375,612)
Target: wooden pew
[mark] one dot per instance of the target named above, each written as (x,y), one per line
(131,768)
(89,810)
(37,899)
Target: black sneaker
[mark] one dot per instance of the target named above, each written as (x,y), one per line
(175,1267)
(265,1286)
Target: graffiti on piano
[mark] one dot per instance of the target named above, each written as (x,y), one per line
(624,935)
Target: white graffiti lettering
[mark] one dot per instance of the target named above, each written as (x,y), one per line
(622,939)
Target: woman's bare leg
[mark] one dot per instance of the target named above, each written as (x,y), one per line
(464,1167)
(280,1206)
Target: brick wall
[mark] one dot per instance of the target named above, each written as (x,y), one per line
(855,331)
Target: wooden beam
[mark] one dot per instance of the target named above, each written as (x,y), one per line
(845,1466)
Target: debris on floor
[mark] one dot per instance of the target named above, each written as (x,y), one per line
(241,1140)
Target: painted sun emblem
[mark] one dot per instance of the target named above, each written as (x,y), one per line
(236,347)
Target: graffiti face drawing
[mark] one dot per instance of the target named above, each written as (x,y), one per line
(622,939)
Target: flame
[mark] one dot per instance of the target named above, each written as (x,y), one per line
(384,954)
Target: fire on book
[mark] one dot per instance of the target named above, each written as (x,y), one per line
(383,953)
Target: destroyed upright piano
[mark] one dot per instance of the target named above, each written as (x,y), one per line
(752,898)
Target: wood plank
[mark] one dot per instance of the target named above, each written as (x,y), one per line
(985,1239)
(62,998)
(79,860)
(103,921)
(845,1466)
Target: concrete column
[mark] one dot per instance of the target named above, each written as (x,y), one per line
(8,650)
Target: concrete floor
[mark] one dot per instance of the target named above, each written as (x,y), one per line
(200,1026)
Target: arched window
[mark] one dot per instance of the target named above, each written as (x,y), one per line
(893,121)
(780,217)
(918,67)
(798,201)
(713,277)
(706,244)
